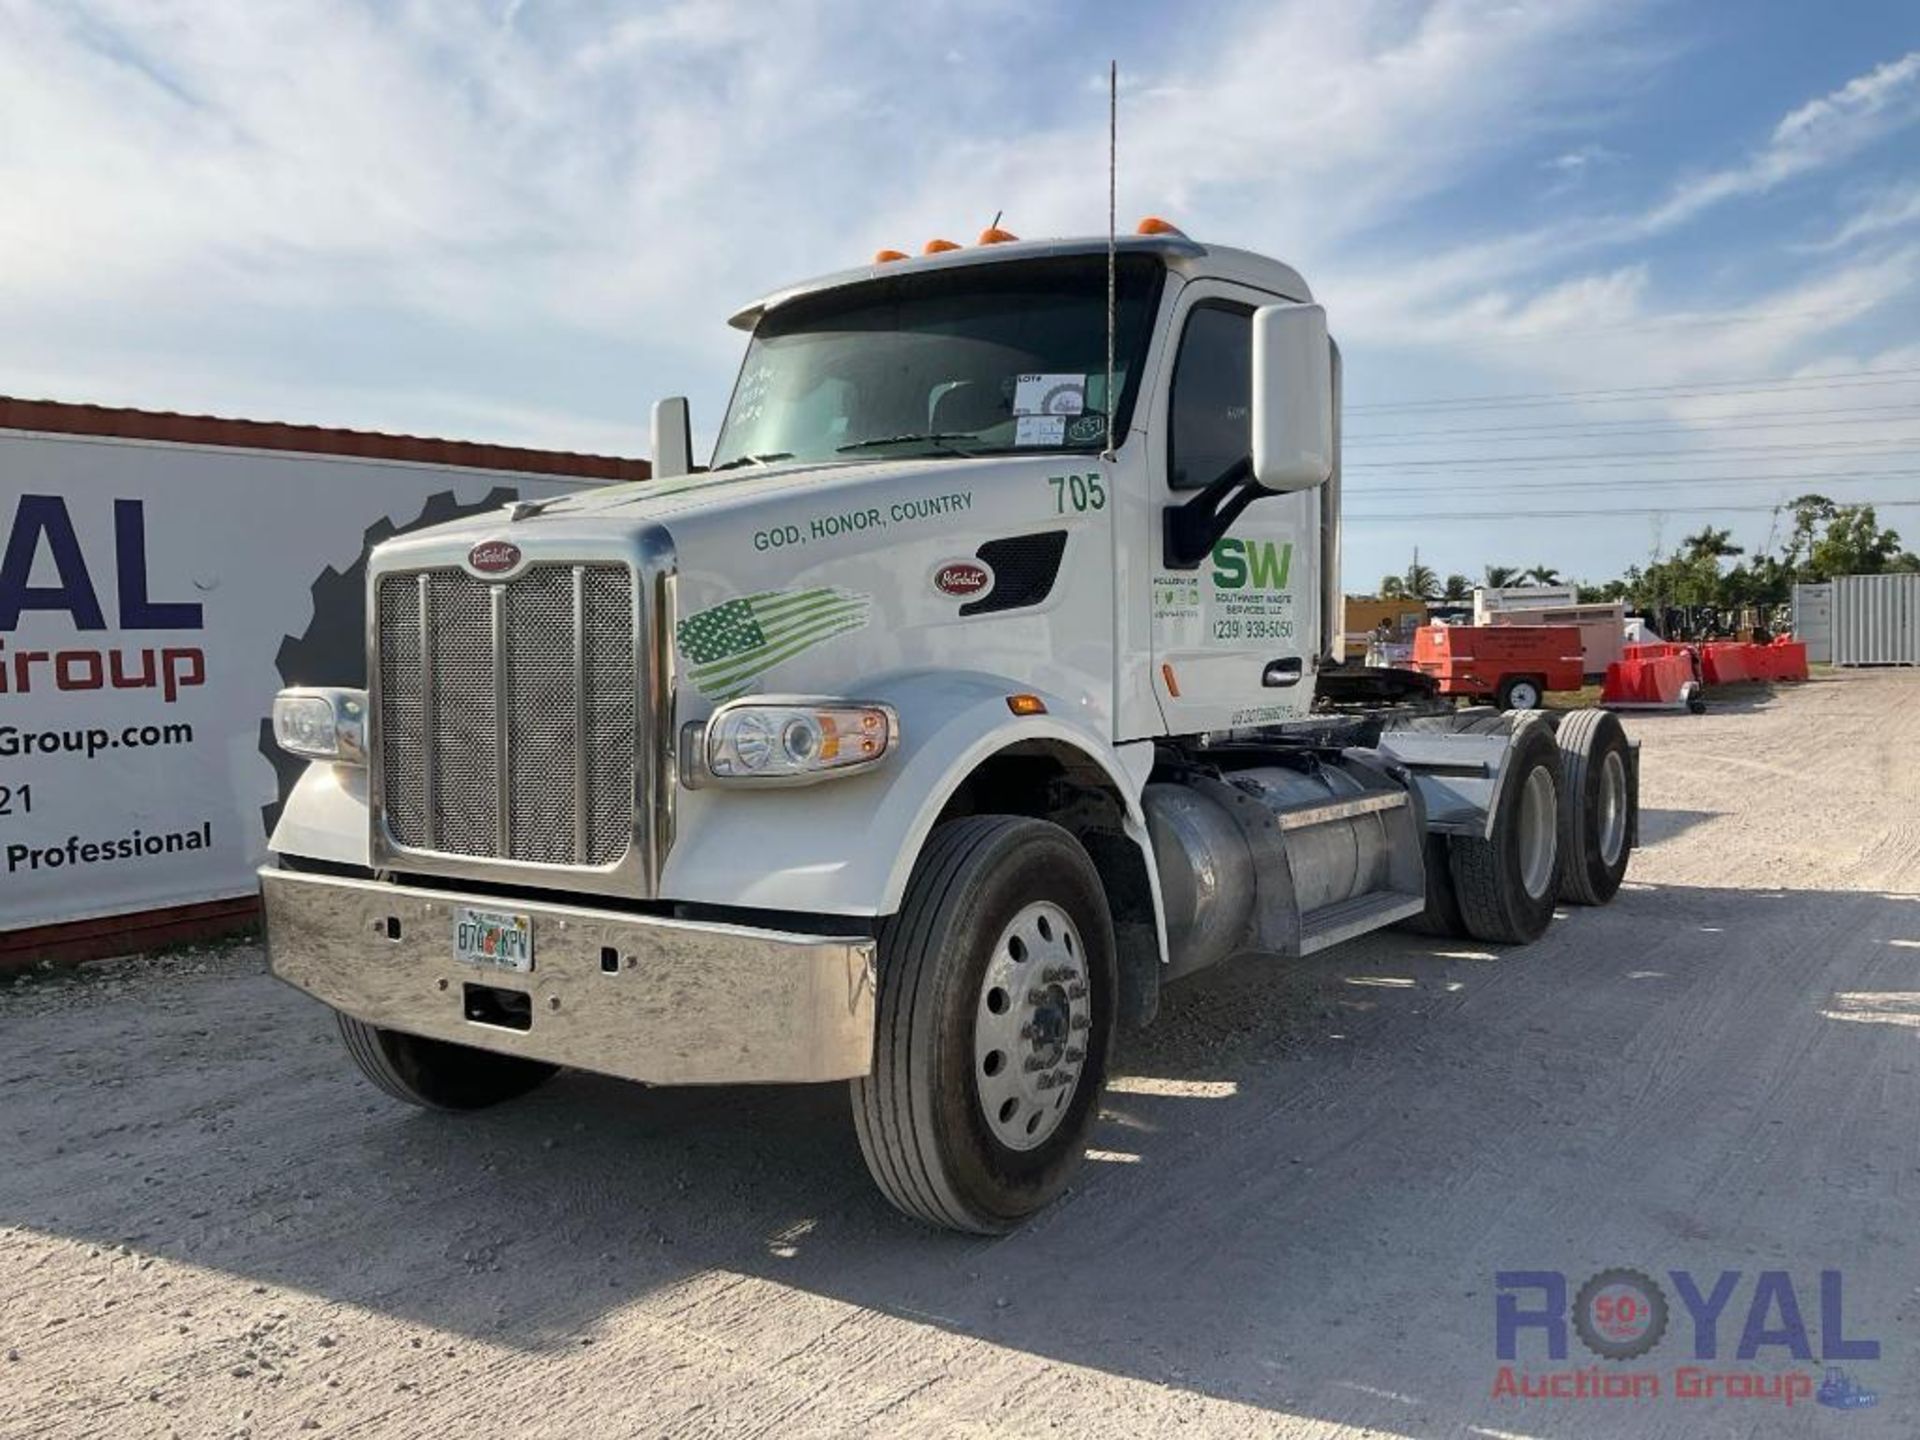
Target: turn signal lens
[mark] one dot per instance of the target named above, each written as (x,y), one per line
(1154,225)
(882,257)
(934,247)
(322,724)
(793,742)
(1026,705)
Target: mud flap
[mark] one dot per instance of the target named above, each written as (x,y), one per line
(1459,777)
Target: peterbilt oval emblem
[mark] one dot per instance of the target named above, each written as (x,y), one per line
(493,557)
(962,579)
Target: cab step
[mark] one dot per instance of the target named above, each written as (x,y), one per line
(1331,924)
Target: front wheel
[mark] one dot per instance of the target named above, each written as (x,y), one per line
(995,1019)
(437,1074)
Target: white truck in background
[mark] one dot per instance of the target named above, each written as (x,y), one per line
(972,693)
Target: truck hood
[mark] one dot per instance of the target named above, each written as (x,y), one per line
(731,492)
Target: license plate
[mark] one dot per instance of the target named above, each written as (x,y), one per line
(495,939)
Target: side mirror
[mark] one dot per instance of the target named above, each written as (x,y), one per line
(1292,398)
(672,438)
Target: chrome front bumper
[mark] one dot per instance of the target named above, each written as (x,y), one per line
(669,1002)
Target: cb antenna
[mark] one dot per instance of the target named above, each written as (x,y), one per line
(1113,148)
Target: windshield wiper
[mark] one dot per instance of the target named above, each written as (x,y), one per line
(940,438)
(766,459)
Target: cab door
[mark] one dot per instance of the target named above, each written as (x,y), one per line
(1233,638)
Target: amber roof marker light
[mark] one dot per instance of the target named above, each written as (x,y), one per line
(935,247)
(887,257)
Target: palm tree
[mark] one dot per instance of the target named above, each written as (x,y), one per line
(1421,583)
(1458,587)
(1499,577)
(1392,587)
(1542,575)
(1712,543)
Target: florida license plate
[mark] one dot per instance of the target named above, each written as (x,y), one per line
(494,939)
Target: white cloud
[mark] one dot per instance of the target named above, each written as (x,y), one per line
(1818,134)
(1580,160)
(1889,210)
(498,174)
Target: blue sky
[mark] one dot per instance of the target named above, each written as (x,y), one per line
(522,221)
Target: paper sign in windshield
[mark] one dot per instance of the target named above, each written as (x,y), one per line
(1040,430)
(1049,394)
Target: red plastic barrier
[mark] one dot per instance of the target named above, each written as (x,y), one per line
(1656,650)
(1725,664)
(1654,680)
(1788,660)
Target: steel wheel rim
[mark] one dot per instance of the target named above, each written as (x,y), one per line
(1525,696)
(1539,832)
(1612,824)
(1030,1028)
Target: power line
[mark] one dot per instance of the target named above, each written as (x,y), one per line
(1484,516)
(1672,322)
(1839,379)
(1601,429)
(1654,482)
(1705,454)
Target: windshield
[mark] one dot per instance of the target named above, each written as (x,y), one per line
(980,359)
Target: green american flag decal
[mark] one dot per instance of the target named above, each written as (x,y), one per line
(727,647)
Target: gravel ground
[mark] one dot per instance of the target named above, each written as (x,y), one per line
(1307,1177)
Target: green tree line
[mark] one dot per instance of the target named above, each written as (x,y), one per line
(1826,539)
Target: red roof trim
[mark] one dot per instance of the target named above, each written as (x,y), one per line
(60,418)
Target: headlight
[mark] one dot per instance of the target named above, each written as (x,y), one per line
(322,724)
(787,741)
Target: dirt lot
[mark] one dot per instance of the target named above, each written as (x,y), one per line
(1307,1179)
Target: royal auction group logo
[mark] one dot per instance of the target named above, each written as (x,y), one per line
(1622,1315)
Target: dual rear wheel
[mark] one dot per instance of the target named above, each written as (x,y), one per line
(1562,829)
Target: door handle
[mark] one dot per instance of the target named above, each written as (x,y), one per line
(1281,672)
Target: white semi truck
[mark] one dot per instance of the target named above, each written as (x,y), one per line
(983,683)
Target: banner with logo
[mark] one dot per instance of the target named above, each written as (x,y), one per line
(153,597)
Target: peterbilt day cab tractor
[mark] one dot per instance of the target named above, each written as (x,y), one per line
(963,701)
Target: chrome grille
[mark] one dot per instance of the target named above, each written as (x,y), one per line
(508,713)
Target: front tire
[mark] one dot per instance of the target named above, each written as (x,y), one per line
(994,1026)
(437,1074)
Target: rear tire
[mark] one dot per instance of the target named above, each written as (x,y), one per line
(1596,806)
(999,910)
(437,1074)
(1442,916)
(1507,885)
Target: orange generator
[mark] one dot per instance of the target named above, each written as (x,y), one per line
(1513,665)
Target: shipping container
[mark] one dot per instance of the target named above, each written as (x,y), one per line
(1813,620)
(1876,619)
